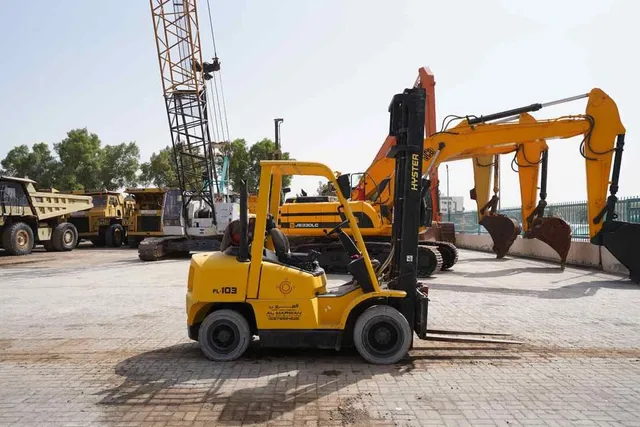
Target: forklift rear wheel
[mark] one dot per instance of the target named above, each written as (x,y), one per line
(224,335)
(382,335)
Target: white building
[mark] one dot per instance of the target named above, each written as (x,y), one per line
(454,203)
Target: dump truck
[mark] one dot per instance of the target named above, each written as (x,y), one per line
(107,223)
(29,217)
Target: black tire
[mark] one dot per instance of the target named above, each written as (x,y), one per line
(64,237)
(99,242)
(382,335)
(48,246)
(18,239)
(114,236)
(134,242)
(224,335)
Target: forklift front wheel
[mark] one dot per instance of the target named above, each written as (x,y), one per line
(224,335)
(382,335)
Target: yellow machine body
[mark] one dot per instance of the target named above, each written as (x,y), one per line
(146,219)
(278,297)
(109,208)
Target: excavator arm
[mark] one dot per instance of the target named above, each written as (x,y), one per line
(529,157)
(598,148)
(602,146)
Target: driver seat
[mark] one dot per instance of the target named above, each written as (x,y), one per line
(297,259)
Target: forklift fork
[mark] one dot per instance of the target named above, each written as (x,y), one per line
(473,337)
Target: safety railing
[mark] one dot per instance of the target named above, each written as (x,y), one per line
(575,213)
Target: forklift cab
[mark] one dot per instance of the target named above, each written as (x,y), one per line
(256,287)
(275,245)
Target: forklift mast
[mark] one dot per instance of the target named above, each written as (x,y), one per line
(407,121)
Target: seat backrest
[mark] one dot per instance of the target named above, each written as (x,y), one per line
(280,244)
(228,236)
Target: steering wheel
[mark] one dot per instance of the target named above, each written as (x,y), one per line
(337,227)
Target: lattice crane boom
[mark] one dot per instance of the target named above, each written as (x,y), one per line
(183,74)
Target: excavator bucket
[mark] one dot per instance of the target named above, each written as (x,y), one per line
(503,231)
(622,240)
(440,231)
(555,232)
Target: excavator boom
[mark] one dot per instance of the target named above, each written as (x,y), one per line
(598,142)
(602,144)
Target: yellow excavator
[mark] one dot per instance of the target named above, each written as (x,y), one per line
(479,137)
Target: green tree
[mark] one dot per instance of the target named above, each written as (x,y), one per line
(160,170)
(119,165)
(263,150)
(86,164)
(37,164)
(81,160)
(326,189)
(239,163)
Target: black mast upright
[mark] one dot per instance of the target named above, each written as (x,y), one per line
(407,121)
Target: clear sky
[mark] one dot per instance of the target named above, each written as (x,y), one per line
(329,68)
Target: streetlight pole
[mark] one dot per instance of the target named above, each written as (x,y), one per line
(276,123)
(448,198)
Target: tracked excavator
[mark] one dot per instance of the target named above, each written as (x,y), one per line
(304,219)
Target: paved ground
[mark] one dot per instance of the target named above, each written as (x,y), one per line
(99,339)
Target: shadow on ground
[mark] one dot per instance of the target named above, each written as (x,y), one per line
(266,384)
(483,259)
(514,271)
(574,290)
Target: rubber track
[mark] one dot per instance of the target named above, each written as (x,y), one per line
(429,259)
(448,251)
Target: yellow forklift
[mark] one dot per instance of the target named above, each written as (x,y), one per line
(255,286)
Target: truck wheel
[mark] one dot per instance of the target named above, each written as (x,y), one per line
(224,335)
(114,236)
(48,246)
(382,335)
(64,237)
(17,239)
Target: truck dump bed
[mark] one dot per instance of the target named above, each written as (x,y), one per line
(49,203)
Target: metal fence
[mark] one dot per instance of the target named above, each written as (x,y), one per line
(575,213)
